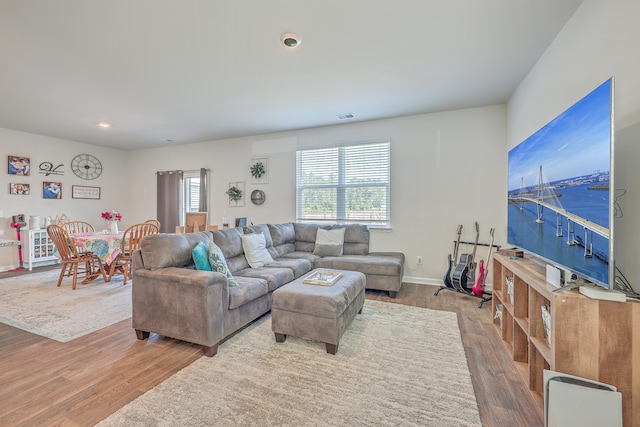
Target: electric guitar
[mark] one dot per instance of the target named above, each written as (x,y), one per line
(478,287)
(447,275)
(465,270)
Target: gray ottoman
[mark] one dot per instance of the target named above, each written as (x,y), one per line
(315,312)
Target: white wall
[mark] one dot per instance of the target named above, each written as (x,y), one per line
(113,184)
(601,40)
(446,169)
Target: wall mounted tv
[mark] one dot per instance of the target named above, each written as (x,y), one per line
(560,190)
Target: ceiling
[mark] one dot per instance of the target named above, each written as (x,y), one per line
(166,72)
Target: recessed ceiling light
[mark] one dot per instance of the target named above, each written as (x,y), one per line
(345,116)
(290,40)
(104,125)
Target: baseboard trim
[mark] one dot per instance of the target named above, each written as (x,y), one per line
(422,280)
(5,268)
(434,282)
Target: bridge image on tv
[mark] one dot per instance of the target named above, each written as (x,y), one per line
(559,188)
(545,197)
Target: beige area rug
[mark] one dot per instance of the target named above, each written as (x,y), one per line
(396,366)
(34,303)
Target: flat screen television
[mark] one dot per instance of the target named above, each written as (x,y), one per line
(560,190)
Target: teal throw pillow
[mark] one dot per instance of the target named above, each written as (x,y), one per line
(201,257)
(219,264)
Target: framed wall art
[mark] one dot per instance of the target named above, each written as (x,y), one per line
(236,193)
(20,189)
(19,165)
(85,192)
(259,170)
(51,190)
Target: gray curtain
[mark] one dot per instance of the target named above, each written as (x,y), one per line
(204,191)
(169,188)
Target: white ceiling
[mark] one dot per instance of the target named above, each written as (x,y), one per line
(198,70)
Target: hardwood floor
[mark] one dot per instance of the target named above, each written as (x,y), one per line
(44,382)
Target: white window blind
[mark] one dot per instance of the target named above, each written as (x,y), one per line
(345,184)
(190,194)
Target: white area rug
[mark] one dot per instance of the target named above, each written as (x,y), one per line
(396,366)
(34,303)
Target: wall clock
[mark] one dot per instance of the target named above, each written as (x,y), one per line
(86,166)
(258,197)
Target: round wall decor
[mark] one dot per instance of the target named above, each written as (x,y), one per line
(258,197)
(86,166)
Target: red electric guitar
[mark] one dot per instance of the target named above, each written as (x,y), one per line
(478,287)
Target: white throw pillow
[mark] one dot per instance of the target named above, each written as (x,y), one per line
(329,242)
(255,249)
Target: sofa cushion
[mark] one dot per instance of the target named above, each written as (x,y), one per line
(170,250)
(282,233)
(283,237)
(247,290)
(305,233)
(219,264)
(275,276)
(261,228)
(229,241)
(255,250)
(299,266)
(356,240)
(370,264)
(356,237)
(329,242)
(201,257)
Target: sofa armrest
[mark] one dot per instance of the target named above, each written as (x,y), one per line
(180,303)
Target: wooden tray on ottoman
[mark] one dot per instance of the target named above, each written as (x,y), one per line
(323,278)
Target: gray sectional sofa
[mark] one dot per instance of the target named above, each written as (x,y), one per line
(173,299)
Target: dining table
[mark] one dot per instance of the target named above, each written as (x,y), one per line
(107,246)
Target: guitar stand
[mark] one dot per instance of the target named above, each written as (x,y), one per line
(469,293)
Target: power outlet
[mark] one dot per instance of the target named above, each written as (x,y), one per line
(419,259)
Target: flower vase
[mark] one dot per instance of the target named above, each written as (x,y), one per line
(113,227)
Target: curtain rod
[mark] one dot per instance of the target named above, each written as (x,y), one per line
(179,170)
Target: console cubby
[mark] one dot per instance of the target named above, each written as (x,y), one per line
(589,338)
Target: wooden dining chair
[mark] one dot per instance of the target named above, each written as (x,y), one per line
(153,221)
(130,242)
(76,227)
(78,263)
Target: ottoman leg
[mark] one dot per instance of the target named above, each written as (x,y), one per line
(331,348)
(210,351)
(280,337)
(142,335)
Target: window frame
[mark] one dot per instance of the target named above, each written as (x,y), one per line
(341,214)
(187,193)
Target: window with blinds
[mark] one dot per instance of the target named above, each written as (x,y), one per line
(190,191)
(344,184)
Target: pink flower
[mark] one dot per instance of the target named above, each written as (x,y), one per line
(111,216)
